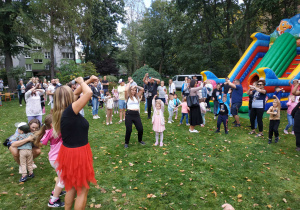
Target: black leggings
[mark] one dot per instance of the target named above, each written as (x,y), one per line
(257,113)
(149,105)
(297,134)
(133,117)
(207,101)
(273,127)
(21,96)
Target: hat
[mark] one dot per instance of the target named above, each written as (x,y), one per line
(120,81)
(19,124)
(23,126)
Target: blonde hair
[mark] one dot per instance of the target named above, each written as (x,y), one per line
(158,101)
(130,95)
(62,98)
(39,134)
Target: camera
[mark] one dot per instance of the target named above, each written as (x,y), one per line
(84,78)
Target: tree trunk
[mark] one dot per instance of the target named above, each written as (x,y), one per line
(12,84)
(52,73)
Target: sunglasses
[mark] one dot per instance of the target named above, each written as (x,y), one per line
(260,84)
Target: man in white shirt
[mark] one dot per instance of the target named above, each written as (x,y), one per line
(172,88)
(50,91)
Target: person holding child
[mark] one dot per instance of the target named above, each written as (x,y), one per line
(222,112)
(133,112)
(274,112)
(158,120)
(291,104)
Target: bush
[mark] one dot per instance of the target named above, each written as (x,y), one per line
(111,78)
(89,69)
(68,71)
(140,73)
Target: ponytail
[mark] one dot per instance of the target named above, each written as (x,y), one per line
(39,135)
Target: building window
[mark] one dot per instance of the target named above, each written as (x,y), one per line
(27,55)
(38,60)
(47,55)
(36,47)
(68,55)
(47,67)
(28,67)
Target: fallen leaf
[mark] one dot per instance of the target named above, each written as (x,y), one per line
(11,174)
(131,164)
(124,195)
(254,205)
(92,205)
(115,199)
(151,196)
(181,171)
(163,194)
(181,184)
(284,200)
(249,180)
(240,196)
(135,188)
(93,200)
(215,193)
(117,190)
(103,190)
(98,206)
(21,183)
(239,200)
(202,198)
(269,206)
(4,193)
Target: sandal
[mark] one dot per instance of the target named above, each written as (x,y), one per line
(259,135)
(252,132)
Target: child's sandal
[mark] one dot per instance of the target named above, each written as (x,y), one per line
(252,132)
(259,135)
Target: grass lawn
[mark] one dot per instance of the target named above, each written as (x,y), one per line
(191,171)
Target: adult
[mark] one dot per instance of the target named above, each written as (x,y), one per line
(209,89)
(99,85)
(34,126)
(1,85)
(122,103)
(258,106)
(250,103)
(75,159)
(172,88)
(95,100)
(296,115)
(33,102)
(162,91)
(145,93)
(225,86)
(186,87)
(132,113)
(21,92)
(50,91)
(195,113)
(236,100)
(216,93)
(45,86)
(105,84)
(133,83)
(152,91)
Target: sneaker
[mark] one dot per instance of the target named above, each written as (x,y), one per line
(194,131)
(98,116)
(276,139)
(107,123)
(34,166)
(226,132)
(95,118)
(126,146)
(169,122)
(124,119)
(270,141)
(293,133)
(156,143)
(298,149)
(61,193)
(31,175)
(237,125)
(56,204)
(161,144)
(172,120)
(20,104)
(142,143)
(215,117)
(23,179)
(110,123)
(230,115)
(120,121)
(188,124)
(202,125)
(146,112)
(285,131)
(217,131)
(234,122)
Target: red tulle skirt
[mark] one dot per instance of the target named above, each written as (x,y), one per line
(75,166)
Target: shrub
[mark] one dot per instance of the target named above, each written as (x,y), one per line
(111,78)
(140,73)
(68,71)
(89,69)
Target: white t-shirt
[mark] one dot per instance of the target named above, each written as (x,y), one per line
(172,88)
(209,88)
(51,88)
(121,90)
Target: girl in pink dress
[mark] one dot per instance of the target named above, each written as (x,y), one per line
(158,120)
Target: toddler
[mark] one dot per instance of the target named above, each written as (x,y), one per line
(184,112)
(166,99)
(158,120)
(101,98)
(222,112)
(177,102)
(278,92)
(274,112)
(171,107)
(202,105)
(291,105)
(116,101)
(109,108)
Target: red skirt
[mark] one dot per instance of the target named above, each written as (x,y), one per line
(75,166)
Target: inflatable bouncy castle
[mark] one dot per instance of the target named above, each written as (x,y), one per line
(274,58)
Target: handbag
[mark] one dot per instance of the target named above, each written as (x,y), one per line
(192,101)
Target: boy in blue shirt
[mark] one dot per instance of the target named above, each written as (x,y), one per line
(222,112)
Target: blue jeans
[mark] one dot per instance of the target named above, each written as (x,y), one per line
(146,105)
(203,118)
(95,104)
(290,122)
(186,115)
(216,105)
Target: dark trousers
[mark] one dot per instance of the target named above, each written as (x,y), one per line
(101,104)
(207,101)
(21,96)
(162,99)
(257,113)
(273,128)
(297,134)
(133,117)
(222,119)
(149,104)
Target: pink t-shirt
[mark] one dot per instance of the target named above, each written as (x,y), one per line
(55,144)
(184,108)
(291,105)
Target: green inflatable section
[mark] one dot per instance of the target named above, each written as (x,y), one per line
(281,54)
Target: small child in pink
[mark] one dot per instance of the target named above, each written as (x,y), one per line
(184,112)
(158,120)
(291,105)
(46,134)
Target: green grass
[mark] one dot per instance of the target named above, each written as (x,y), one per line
(192,171)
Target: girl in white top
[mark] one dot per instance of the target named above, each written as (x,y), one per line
(109,108)
(158,120)
(33,102)
(132,114)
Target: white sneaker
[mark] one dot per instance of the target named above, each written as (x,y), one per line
(194,131)
(95,117)
(20,104)
(169,122)
(285,131)
(146,112)
(34,166)
(110,123)
(215,117)
(172,120)
(98,117)
(107,123)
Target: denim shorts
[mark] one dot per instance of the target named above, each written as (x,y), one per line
(235,108)
(122,104)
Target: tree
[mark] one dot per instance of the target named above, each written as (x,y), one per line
(140,73)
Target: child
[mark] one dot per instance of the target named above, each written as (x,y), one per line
(158,120)
(116,101)
(177,102)
(101,98)
(167,97)
(278,92)
(109,108)
(291,105)
(274,112)
(184,112)
(223,109)
(203,110)
(25,151)
(44,135)
(171,107)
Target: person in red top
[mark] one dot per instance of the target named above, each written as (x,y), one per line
(75,161)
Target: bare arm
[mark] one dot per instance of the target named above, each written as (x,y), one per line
(78,90)
(290,82)
(295,91)
(157,80)
(269,110)
(263,91)
(127,89)
(21,142)
(141,90)
(249,91)
(231,85)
